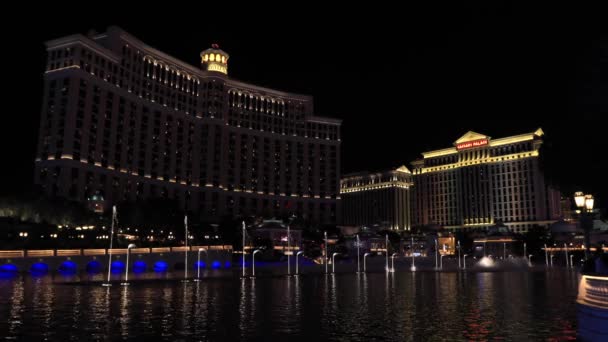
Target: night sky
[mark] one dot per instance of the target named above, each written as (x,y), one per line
(404,80)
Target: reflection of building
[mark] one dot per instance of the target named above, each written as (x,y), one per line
(131,122)
(383,197)
(480,181)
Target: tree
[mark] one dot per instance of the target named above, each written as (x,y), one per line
(536,238)
(393,237)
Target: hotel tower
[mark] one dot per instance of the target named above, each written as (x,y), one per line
(474,184)
(124,121)
(481,181)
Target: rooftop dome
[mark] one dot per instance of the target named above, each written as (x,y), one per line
(215,59)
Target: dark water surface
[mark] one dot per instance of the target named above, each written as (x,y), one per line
(405,306)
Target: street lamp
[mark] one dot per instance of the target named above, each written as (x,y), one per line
(297,269)
(530,259)
(393,262)
(441,261)
(288,251)
(358,255)
(585,204)
(464,261)
(458,254)
(333,262)
(571,256)
(386,245)
(365,262)
(253,261)
(326,257)
(127,269)
(579,199)
(243,249)
(186,249)
(110,249)
(198,264)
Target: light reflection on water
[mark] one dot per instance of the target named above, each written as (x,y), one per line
(367,306)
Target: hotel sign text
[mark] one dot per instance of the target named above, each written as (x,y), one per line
(474,143)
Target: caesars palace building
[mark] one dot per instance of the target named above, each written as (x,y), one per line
(476,183)
(123,121)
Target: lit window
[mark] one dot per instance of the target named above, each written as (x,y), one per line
(212,57)
(217,57)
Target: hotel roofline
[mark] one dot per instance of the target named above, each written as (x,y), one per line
(93,44)
(491,143)
(402,169)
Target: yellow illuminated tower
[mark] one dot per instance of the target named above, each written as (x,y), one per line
(215,59)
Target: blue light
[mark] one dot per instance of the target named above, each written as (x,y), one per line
(200,264)
(161,266)
(39,267)
(9,268)
(68,267)
(117,266)
(8,275)
(227,264)
(94,267)
(139,266)
(216,264)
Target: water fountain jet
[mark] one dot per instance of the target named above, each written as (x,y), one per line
(110,250)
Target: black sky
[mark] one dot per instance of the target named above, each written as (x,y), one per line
(404,80)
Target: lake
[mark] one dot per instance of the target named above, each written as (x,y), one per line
(403,306)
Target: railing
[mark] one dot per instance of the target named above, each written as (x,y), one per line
(68,252)
(117,251)
(572,248)
(220,248)
(88,252)
(593,291)
(12,254)
(38,253)
(285,248)
(161,249)
(140,250)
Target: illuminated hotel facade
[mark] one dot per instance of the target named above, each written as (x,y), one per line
(481,181)
(381,198)
(126,121)
(477,183)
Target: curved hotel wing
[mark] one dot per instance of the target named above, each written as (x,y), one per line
(128,122)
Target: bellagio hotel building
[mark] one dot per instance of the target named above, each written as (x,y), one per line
(128,122)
